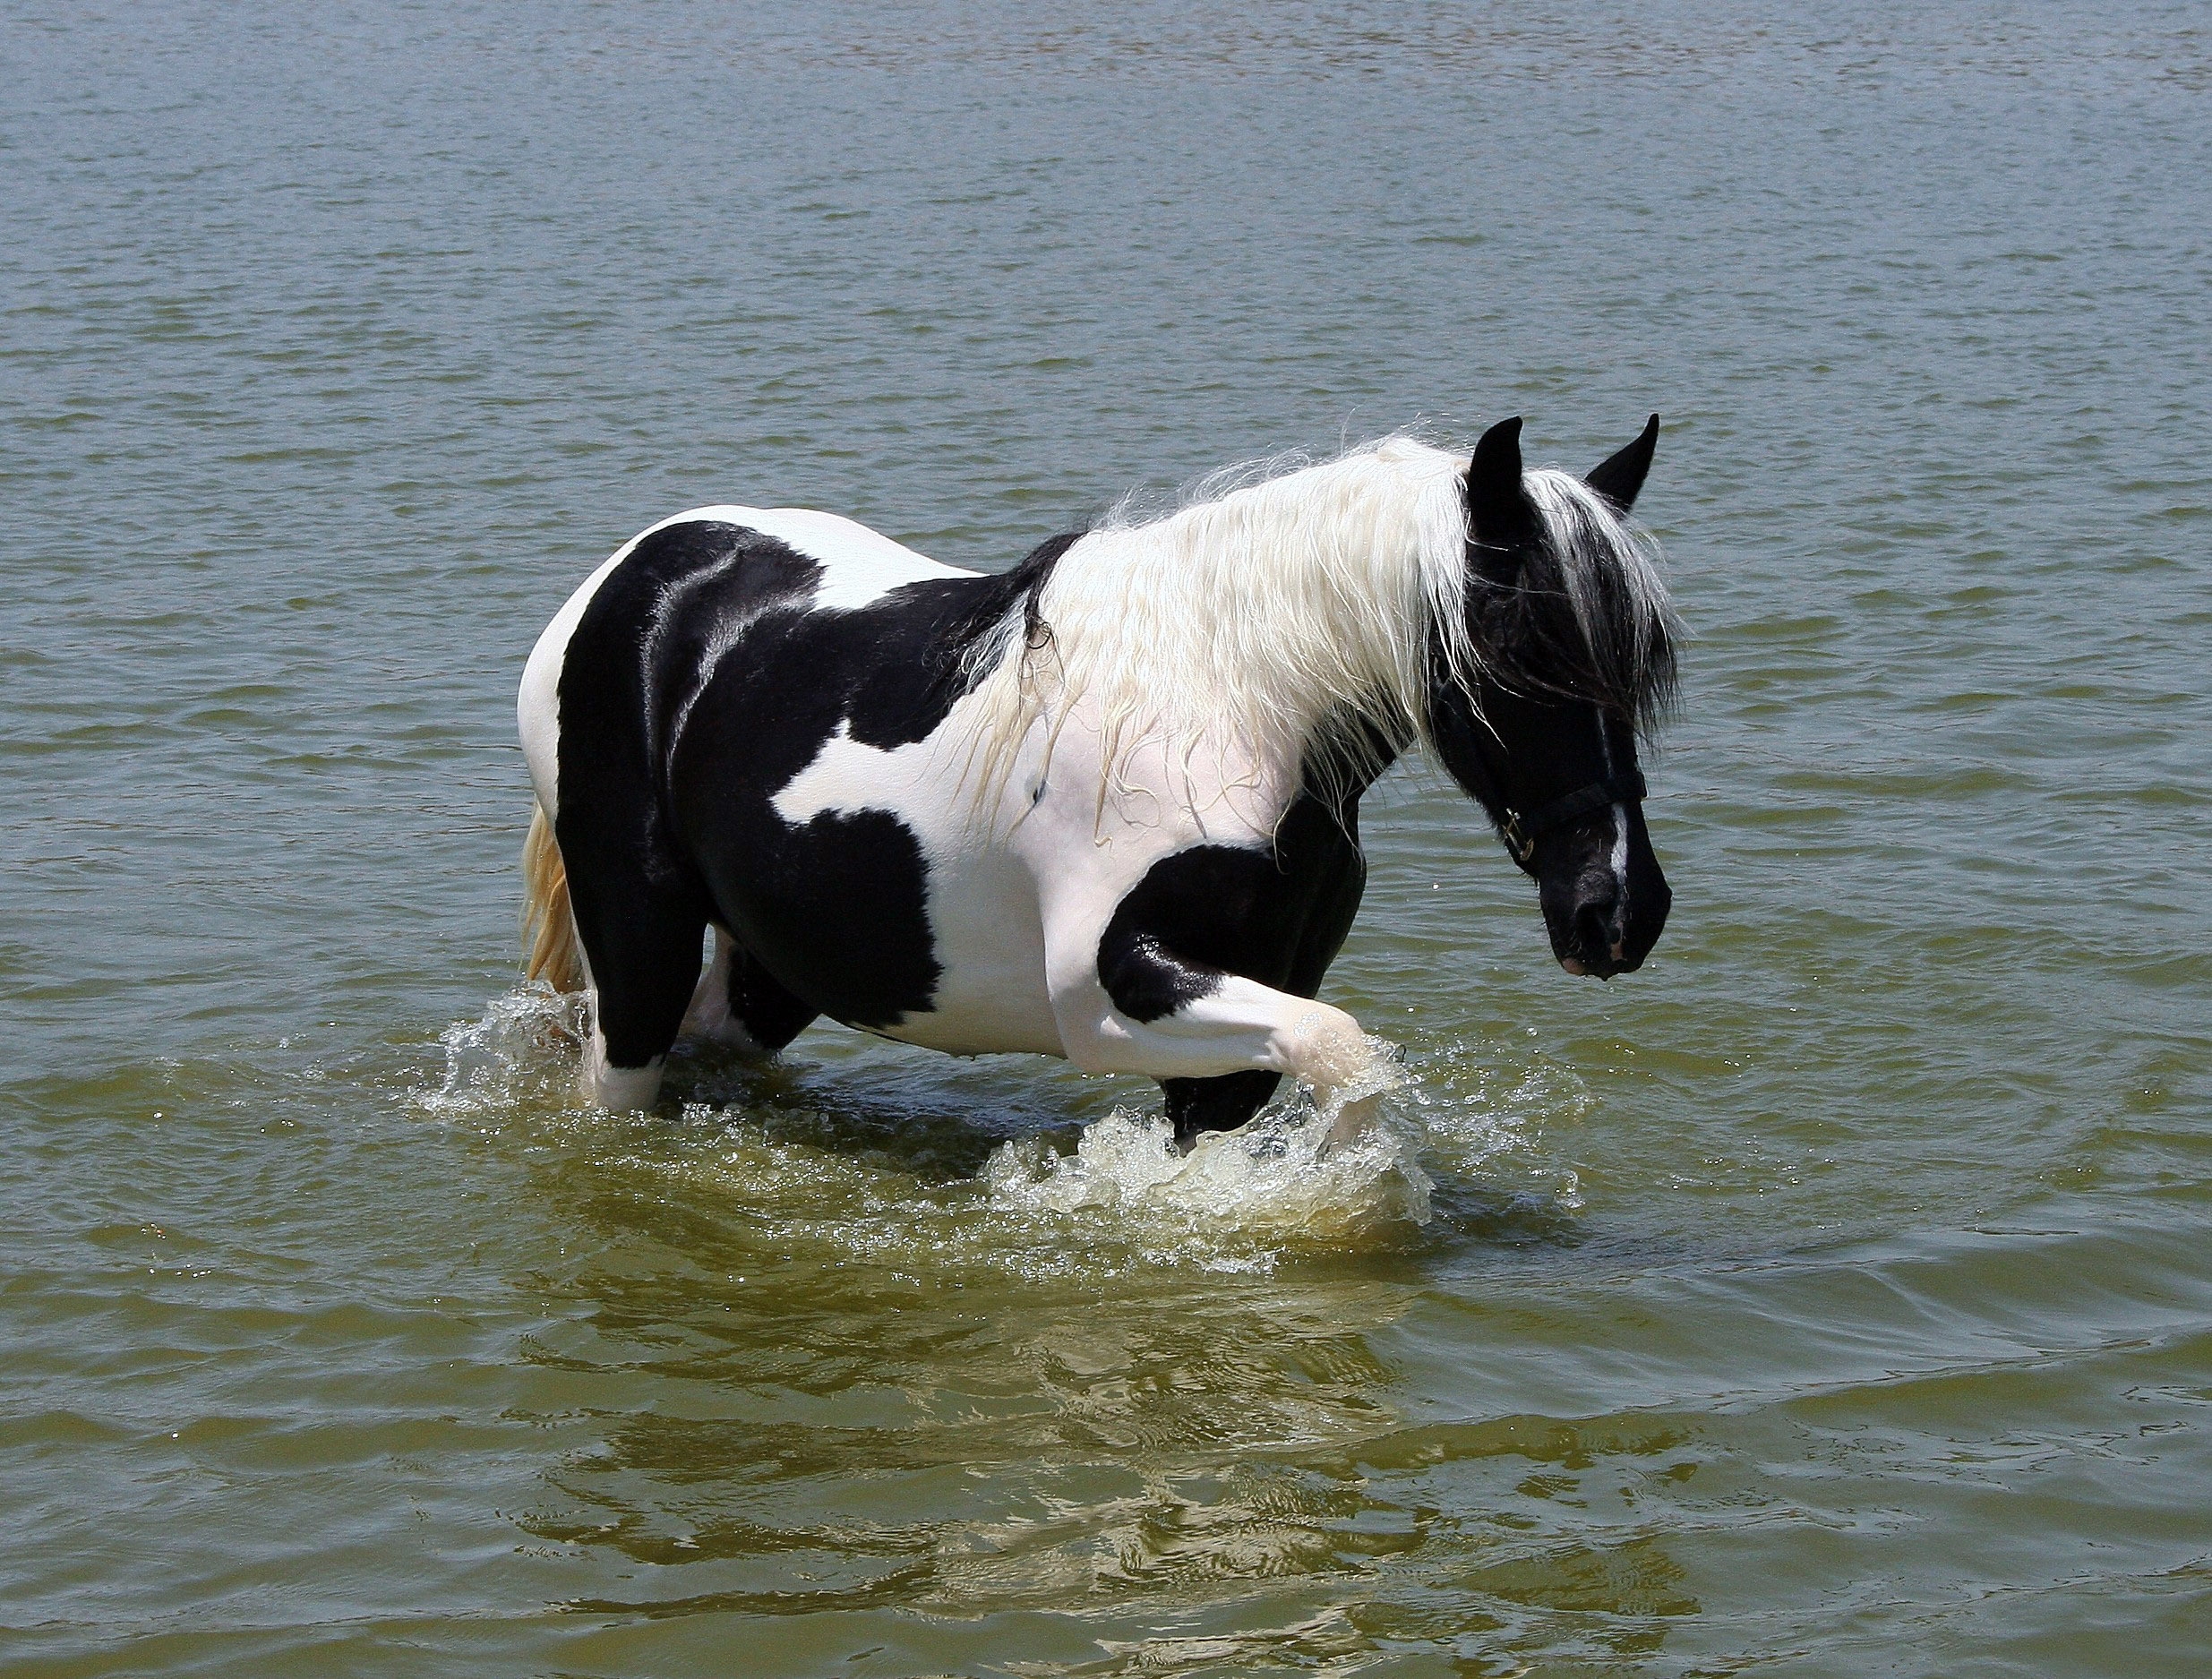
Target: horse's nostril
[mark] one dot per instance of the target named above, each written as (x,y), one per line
(1593,931)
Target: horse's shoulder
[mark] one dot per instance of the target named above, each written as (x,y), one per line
(1273,908)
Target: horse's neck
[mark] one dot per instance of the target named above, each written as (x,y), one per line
(1348,755)
(1251,631)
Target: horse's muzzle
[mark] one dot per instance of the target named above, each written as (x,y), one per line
(1602,929)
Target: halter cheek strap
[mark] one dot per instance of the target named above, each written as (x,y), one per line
(1521,832)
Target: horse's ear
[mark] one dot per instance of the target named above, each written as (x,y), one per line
(1501,521)
(1621,475)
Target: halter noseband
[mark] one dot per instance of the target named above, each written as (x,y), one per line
(1521,833)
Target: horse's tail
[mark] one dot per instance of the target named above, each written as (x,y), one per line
(548,926)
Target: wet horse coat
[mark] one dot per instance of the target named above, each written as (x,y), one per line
(1102,806)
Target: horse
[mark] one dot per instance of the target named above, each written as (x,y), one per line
(1102,805)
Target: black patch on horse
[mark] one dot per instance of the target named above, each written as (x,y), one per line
(1277,916)
(923,635)
(640,905)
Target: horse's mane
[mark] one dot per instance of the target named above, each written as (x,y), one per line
(1300,609)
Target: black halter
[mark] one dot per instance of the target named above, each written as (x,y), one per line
(1521,833)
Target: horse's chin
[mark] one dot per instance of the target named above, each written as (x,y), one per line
(1581,971)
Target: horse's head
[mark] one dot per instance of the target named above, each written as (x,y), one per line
(1567,653)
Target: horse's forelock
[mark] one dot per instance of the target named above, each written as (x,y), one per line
(1590,615)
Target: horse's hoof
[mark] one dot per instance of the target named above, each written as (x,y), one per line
(1354,1121)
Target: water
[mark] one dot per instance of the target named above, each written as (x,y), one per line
(1831,1297)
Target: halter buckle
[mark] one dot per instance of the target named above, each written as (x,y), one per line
(1519,845)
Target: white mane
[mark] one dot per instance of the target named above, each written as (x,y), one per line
(1244,626)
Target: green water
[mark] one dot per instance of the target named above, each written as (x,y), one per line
(1830,1297)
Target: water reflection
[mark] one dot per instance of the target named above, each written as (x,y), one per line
(826,1371)
(975,1444)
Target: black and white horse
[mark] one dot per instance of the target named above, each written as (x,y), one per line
(1104,805)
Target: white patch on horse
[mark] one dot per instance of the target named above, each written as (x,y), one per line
(982,899)
(1619,858)
(1237,626)
(619,1088)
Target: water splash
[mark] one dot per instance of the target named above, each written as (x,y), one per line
(1487,1106)
(1286,1177)
(520,1052)
(1124,1197)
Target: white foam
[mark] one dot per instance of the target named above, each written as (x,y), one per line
(1125,1199)
(1283,1176)
(521,1051)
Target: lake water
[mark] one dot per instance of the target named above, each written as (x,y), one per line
(1833,1297)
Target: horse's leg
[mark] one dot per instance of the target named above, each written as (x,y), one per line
(1221,1103)
(1143,1009)
(642,946)
(738,1003)
(1157,982)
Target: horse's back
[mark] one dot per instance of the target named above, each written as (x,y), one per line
(699,568)
(857,565)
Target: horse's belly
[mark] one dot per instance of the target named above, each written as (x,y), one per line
(991,996)
(984,1010)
